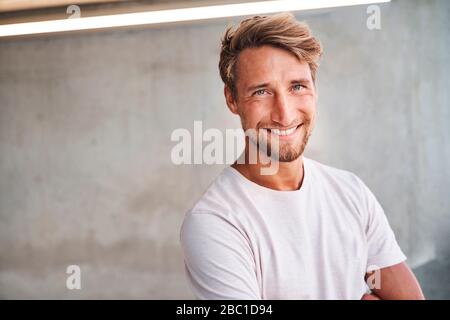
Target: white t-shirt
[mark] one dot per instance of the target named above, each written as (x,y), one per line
(245,241)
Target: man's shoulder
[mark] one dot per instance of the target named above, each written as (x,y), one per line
(343,186)
(331,171)
(335,177)
(217,209)
(218,195)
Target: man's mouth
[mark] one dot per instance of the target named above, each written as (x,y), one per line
(283,132)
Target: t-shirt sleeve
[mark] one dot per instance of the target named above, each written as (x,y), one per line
(383,249)
(218,260)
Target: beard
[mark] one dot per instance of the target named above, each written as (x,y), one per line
(277,149)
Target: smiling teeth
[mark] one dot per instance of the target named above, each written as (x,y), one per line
(283,132)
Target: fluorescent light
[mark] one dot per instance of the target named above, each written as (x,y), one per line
(173,15)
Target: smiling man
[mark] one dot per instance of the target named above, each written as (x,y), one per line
(308,231)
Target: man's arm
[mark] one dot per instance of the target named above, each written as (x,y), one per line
(397,282)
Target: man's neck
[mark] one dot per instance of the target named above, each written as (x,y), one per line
(288,177)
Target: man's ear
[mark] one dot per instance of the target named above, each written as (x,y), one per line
(231,103)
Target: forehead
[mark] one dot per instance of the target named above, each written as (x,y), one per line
(268,63)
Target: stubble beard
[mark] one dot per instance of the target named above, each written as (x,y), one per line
(282,151)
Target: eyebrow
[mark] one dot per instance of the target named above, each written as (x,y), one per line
(301,81)
(266,84)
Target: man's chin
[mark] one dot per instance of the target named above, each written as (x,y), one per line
(286,154)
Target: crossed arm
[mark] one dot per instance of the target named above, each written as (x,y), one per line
(397,282)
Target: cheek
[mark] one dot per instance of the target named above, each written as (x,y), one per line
(307,105)
(253,113)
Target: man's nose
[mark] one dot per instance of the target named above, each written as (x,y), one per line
(283,111)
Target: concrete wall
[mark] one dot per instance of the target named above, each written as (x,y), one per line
(85,125)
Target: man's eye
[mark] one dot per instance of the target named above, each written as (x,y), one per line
(298,87)
(259,92)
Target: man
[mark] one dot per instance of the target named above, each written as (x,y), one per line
(308,231)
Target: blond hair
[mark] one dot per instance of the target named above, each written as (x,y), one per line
(279,30)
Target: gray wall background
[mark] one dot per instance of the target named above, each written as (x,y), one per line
(85,125)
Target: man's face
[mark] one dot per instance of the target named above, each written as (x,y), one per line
(275,93)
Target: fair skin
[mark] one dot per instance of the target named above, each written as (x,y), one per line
(275,93)
(265,100)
